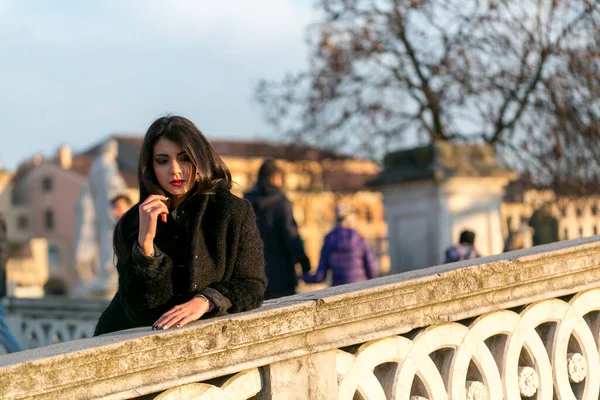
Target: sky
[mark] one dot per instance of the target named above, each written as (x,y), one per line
(75,71)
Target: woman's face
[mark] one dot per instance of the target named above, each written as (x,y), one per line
(173,170)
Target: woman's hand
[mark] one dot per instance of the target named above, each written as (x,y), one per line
(182,314)
(149,211)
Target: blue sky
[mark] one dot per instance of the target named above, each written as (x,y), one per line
(75,71)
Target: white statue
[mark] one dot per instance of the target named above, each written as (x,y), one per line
(86,245)
(104,183)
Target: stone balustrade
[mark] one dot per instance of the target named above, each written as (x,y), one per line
(521,325)
(53,319)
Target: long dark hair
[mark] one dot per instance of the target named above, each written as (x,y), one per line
(213,174)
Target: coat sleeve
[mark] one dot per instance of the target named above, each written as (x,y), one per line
(324,266)
(145,286)
(371,266)
(245,289)
(291,239)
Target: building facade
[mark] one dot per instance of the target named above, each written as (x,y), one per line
(562,217)
(43,196)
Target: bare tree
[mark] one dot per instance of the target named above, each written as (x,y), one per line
(523,75)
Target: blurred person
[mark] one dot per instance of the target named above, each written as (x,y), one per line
(55,286)
(345,253)
(464,250)
(189,249)
(283,246)
(7,340)
(121,203)
(514,241)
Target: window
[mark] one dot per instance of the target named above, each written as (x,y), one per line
(49,220)
(578,212)
(580,231)
(563,211)
(47,184)
(566,234)
(595,230)
(53,255)
(23,222)
(368,214)
(594,209)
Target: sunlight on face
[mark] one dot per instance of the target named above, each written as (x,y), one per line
(173,169)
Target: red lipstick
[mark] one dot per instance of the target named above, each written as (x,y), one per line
(177,182)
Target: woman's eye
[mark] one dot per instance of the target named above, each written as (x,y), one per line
(161,161)
(184,159)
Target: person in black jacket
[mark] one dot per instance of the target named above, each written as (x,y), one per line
(278,230)
(189,249)
(6,338)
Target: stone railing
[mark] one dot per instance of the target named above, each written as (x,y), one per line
(49,320)
(520,325)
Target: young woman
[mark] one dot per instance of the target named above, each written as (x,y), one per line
(189,248)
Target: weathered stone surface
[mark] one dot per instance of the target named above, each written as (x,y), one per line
(310,377)
(140,361)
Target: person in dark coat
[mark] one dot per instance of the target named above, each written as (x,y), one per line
(7,340)
(189,249)
(345,253)
(279,232)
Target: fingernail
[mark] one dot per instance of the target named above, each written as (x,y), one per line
(165,327)
(177,326)
(154,327)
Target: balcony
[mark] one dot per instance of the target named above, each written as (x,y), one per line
(524,324)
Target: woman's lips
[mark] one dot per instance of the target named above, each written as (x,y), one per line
(177,183)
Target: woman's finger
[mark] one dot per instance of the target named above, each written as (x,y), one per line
(154,209)
(166,315)
(170,320)
(184,313)
(177,310)
(153,204)
(154,197)
(187,319)
(155,212)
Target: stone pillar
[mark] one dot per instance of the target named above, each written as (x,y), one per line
(311,377)
(432,193)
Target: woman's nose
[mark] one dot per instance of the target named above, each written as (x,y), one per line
(175,168)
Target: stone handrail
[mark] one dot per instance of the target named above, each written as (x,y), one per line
(512,326)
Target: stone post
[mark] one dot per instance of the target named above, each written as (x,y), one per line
(432,193)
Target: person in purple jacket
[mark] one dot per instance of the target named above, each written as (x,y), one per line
(464,250)
(345,252)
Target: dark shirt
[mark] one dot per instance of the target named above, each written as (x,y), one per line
(173,238)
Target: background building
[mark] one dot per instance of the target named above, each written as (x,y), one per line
(552,216)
